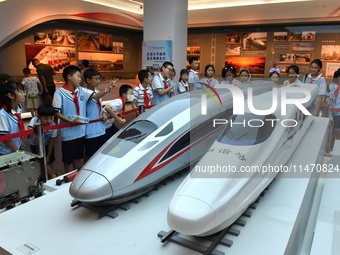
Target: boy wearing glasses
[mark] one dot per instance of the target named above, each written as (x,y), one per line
(161,83)
(70,103)
(94,132)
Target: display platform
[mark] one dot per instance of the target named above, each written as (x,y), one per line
(327,230)
(49,225)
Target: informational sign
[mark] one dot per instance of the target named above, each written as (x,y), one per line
(155,53)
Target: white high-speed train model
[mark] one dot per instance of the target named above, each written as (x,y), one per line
(155,145)
(228,178)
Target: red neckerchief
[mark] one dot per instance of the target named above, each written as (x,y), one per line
(18,115)
(146,98)
(186,87)
(123,109)
(75,97)
(336,92)
(166,85)
(208,80)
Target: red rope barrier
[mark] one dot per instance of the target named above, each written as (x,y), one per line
(59,126)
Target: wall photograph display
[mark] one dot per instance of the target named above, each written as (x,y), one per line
(331,68)
(280,36)
(42,38)
(105,42)
(254,41)
(88,41)
(294,36)
(302,46)
(118,47)
(233,39)
(308,36)
(295,58)
(255,65)
(233,50)
(64,38)
(56,57)
(103,61)
(330,53)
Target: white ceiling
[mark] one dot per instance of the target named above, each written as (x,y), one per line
(135,5)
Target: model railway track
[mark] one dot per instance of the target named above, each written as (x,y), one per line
(207,245)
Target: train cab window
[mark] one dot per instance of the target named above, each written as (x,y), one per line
(138,130)
(129,138)
(248,129)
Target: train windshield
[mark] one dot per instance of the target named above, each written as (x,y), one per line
(137,131)
(129,138)
(248,129)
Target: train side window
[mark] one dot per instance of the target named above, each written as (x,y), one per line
(167,130)
(183,142)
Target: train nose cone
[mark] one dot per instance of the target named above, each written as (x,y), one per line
(189,215)
(89,186)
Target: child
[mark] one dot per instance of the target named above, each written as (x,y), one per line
(69,102)
(116,109)
(44,117)
(244,75)
(293,74)
(274,75)
(172,75)
(193,73)
(209,79)
(143,93)
(95,132)
(33,89)
(11,96)
(151,70)
(183,85)
(228,75)
(316,77)
(335,96)
(161,85)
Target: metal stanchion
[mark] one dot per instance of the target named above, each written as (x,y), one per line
(39,132)
(141,109)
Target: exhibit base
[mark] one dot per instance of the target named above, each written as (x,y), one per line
(280,223)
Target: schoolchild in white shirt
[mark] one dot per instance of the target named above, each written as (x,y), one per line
(116,109)
(11,96)
(293,75)
(143,93)
(45,116)
(315,77)
(161,85)
(244,75)
(183,85)
(229,75)
(70,104)
(95,131)
(193,73)
(209,79)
